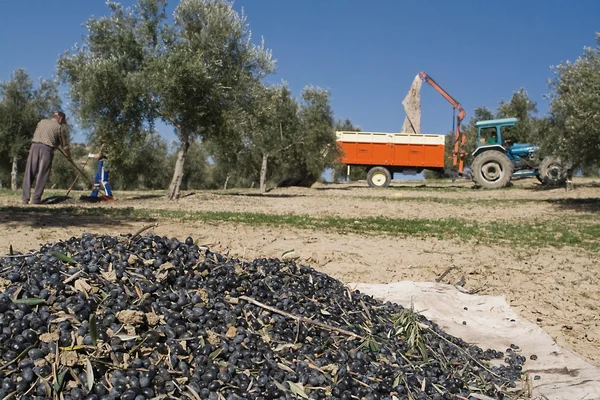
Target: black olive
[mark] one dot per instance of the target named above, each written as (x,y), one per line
(191,330)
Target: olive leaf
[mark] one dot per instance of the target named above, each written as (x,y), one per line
(89,373)
(31,301)
(285,253)
(64,258)
(93,329)
(216,353)
(58,383)
(285,368)
(193,392)
(297,389)
(280,386)
(127,337)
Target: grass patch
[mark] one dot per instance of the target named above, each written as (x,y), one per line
(565,232)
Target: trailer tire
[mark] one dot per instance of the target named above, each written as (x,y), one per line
(492,170)
(552,172)
(379,177)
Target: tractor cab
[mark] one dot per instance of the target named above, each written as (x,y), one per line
(489,133)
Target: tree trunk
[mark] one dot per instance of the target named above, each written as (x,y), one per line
(13,174)
(226,180)
(178,173)
(263,174)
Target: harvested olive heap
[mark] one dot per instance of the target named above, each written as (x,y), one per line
(101,317)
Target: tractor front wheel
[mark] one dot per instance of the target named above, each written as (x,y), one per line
(379,177)
(492,170)
(552,172)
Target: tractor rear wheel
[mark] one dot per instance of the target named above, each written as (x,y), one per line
(552,172)
(379,177)
(492,170)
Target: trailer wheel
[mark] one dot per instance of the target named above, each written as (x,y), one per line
(552,172)
(492,170)
(379,177)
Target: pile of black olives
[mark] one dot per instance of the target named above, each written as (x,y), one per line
(104,317)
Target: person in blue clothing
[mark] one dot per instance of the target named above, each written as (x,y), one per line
(101,178)
(467,173)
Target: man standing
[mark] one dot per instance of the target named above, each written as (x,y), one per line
(49,134)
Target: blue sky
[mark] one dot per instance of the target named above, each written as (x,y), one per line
(366,53)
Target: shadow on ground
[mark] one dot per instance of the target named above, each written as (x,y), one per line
(340,188)
(45,216)
(583,205)
(434,187)
(405,187)
(149,197)
(271,195)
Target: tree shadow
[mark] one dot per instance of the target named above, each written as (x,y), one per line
(269,195)
(148,197)
(433,187)
(539,187)
(542,188)
(582,205)
(42,216)
(338,188)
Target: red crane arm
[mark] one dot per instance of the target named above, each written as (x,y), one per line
(459,137)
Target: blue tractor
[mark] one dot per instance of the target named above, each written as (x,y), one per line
(497,159)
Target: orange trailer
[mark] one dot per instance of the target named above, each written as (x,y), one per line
(386,153)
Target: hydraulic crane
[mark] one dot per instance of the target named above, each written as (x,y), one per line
(459,153)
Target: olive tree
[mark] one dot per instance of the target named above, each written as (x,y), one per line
(479,114)
(312,148)
(21,107)
(275,123)
(574,124)
(519,106)
(135,66)
(106,78)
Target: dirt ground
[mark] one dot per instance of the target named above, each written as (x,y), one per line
(559,289)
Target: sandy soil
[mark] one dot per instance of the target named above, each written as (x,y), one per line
(557,289)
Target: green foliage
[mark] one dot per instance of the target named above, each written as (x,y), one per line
(107,83)
(591,171)
(298,139)
(524,109)
(313,147)
(574,124)
(479,114)
(196,170)
(147,165)
(260,131)
(22,106)
(63,174)
(135,67)
(277,127)
(340,171)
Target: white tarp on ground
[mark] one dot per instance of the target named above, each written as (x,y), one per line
(491,323)
(412,108)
